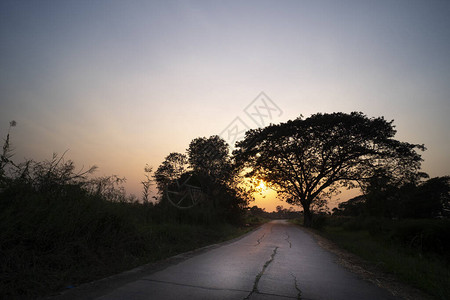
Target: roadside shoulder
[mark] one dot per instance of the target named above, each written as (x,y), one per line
(367,270)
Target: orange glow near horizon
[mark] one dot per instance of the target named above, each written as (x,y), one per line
(266,197)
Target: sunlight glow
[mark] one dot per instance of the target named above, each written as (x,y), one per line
(262,186)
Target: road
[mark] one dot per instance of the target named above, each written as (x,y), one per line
(276,261)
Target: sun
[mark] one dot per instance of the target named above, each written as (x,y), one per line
(262,186)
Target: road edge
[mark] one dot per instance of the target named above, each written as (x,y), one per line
(100,287)
(367,271)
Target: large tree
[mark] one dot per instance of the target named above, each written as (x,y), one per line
(307,160)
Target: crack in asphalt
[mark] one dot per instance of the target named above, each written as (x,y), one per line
(260,239)
(259,275)
(299,291)
(287,239)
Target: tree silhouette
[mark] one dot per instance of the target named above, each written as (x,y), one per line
(5,156)
(308,160)
(210,157)
(173,166)
(432,198)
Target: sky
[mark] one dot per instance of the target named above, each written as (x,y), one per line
(121,84)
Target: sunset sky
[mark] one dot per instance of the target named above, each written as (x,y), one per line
(121,84)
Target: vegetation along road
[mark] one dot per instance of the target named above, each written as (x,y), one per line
(277,261)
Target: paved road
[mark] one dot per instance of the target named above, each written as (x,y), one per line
(277,261)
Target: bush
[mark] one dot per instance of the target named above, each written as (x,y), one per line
(319,221)
(423,235)
(48,242)
(59,228)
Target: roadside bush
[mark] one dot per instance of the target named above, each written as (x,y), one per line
(47,243)
(337,221)
(60,228)
(319,221)
(423,235)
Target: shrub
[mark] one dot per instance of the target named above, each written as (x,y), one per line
(319,221)
(424,235)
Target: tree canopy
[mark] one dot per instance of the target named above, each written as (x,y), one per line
(308,160)
(203,181)
(210,157)
(173,166)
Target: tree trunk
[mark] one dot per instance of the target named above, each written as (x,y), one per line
(307,216)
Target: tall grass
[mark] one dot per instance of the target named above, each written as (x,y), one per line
(59,228)
(49,243)
(416,251)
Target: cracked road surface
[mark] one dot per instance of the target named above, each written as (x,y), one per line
(276,261)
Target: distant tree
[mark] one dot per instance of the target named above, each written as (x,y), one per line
(173,166)
(427,200)
(257,210)
(203,183)
(210,157)
(352,207)
(308,160)
(437,190)
(382,195)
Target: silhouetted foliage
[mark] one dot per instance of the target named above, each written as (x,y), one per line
(205,190)
(425,200)
(352,207)
(5,157)
(210,156)
(173,166)
(280,213)
(429,199)
(307,160)
(59,227)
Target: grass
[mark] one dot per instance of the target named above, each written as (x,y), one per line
(49,243)
(425,269)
